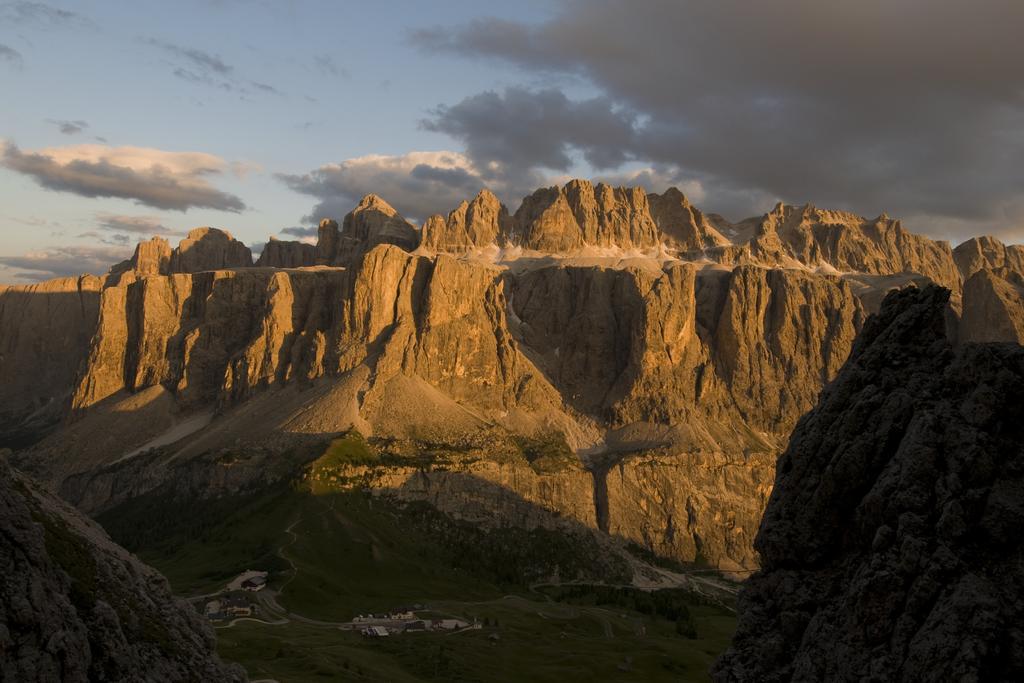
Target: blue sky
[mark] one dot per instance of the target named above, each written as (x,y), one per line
(292,110)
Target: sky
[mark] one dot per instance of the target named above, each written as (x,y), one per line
(119,120)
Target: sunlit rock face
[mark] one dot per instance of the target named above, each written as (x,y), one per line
(890,546)
(673,351)
(479,223)
(77,607)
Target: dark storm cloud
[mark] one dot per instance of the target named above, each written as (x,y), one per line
(69,127)
(524,129)
(154,185)
(913,106)
(11,56)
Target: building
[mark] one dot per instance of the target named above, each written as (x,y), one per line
(255,583)
(375,632)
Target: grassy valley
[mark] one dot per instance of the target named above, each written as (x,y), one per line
(334,554)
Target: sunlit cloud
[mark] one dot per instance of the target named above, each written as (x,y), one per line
(161,179)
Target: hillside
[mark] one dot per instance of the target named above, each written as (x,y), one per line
(76,607)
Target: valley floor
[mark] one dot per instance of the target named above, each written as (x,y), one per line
(335,555)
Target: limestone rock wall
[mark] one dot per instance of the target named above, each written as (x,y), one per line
(286,254)
(44,339)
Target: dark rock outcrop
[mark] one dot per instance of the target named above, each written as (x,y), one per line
(891,545)
(76,607)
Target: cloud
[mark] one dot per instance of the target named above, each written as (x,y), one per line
(198,59)
(69,127)
(300,232)
(417,184)
(523,129)
(11,56)
(65,261)
(265,88)
(204,68)
(136,225)
(164,180)
(912,106)
(326,65)
(105,238)
(40,14)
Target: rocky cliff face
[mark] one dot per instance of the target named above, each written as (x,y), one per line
(480,223)
(371,223)
(682,225)
(581,214)
(840,241)
(209,249)
(286,254)
(44,333)
(675,379)
(655,363)
(76,607)
(889,547)
(988,253)
(993,306)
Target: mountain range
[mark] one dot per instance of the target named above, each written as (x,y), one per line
(668,351)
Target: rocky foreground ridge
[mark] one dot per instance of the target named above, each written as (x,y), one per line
(891,546)
(77,607)
(672,351)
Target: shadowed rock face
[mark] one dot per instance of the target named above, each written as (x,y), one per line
(77,607)
(209,249)
(891,545)
(44,339)
(286,254)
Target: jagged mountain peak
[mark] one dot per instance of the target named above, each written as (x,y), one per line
(375,202)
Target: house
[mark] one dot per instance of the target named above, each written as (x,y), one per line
(375,632)
(235,611)
(449,624)
(418,625)
(212,607)
(404,615)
